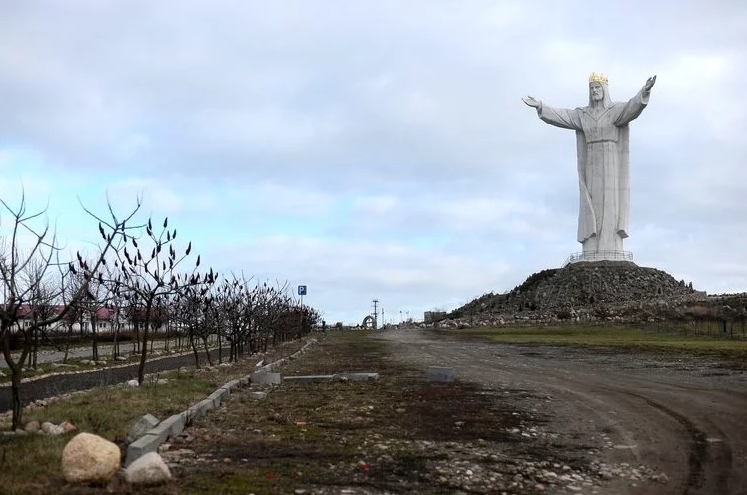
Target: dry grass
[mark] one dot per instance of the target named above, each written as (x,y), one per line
(312,436)
(315,436)
(618,338)
(31,463)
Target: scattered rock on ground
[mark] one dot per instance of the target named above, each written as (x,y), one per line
(148,470)
(49,428)
(52,429)
(141,427)
(32,427)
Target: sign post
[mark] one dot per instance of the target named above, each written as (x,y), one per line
(301,292)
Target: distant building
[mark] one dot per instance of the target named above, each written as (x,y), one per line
(433,316)
(103,318)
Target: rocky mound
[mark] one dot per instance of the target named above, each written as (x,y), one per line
(580,285)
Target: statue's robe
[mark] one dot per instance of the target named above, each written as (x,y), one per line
(602,142)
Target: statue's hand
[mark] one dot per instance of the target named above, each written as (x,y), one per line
(531,102)
(650,83)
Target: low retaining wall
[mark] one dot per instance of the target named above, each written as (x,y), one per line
(174,425)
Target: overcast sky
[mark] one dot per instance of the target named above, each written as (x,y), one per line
(377,149)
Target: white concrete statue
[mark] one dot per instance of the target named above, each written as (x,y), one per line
(602,145)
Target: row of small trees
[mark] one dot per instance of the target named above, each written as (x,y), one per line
(139,273)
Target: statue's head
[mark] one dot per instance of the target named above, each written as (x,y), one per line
(598,92)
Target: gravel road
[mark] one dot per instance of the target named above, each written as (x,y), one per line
(684,419)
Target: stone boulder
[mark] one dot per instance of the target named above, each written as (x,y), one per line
(88,458)
(141,427)
(52,429)
(67,426)
(148,469)
(32,426)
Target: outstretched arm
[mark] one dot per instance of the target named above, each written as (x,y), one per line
(559,117)
(634,107)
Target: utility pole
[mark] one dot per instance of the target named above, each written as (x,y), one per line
(375,313)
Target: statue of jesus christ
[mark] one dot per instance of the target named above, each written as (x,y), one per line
(602,146)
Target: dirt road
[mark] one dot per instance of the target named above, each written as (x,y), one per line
(684,422)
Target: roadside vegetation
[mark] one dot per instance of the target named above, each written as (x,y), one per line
(614,338)
(33,461)
(140,282)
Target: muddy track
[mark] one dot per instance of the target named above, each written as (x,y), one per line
(698,448)
(684,418)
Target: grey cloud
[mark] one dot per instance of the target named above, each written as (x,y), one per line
(416,100)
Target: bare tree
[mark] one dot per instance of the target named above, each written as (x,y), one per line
(116,306)
(98,297)
(147,277)
(24,273)
(194,310)
(231,313)
(248,318)
(71,285)
(40,305)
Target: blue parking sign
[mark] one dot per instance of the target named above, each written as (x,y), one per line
(301,290)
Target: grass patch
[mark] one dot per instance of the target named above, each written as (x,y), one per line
(108,412)
(83,363)
(93,411)
(72,364)
(618,338)
(33,461)
(248,480)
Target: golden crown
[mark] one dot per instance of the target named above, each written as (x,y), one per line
(598,78)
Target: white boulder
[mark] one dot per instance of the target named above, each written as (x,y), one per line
(52,429)
(32,426)
(88,458)
(148,469)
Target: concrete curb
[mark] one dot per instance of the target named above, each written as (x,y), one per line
(174,425)
(356,377)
